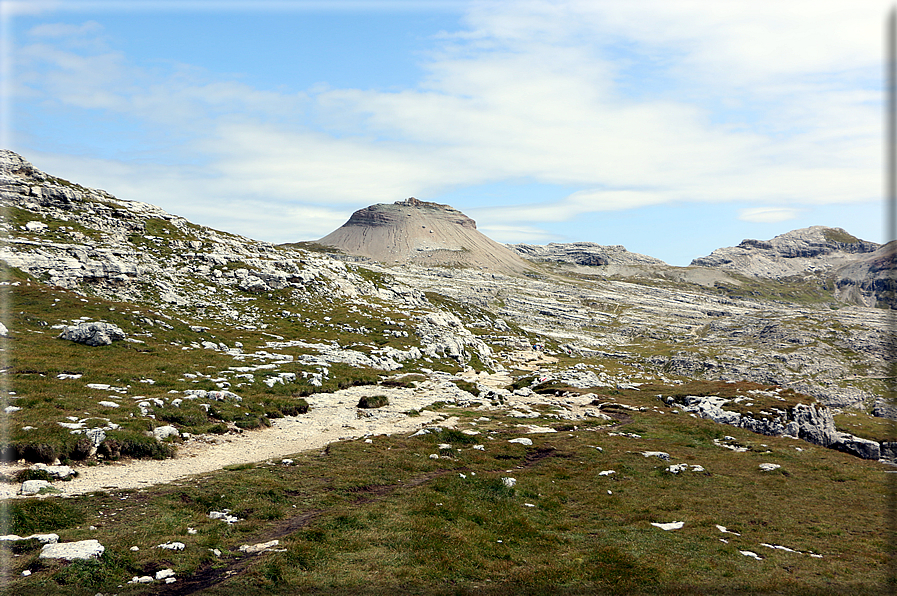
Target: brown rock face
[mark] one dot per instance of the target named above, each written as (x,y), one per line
(421,233)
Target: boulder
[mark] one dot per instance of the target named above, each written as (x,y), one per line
(163,432)
(33,487)
(856,446)
(83,549)
(93,334)
(888,451)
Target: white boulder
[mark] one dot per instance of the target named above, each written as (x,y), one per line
(83,549)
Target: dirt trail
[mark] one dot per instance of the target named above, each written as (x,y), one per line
(332,417)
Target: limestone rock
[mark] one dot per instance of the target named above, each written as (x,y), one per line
(93,334)
(251,549)
(163,432)
(33,487)
(84,549)
(870,279)
(860,447)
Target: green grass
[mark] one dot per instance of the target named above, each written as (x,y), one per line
(833,235)
(385,518)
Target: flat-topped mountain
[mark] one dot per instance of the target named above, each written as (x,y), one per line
(421,233)
(798,252)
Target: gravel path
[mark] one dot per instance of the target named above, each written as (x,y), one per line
(332,417)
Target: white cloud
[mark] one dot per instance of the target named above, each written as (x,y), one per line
(518,234)
(633,104)
(65,29)
(768,214)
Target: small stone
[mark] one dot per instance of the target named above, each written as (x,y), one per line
(257,548)
(522,441)
(669,526)
(509,482)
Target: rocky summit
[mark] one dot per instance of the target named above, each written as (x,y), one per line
(226,413)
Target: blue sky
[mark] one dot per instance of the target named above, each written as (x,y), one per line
(670,127)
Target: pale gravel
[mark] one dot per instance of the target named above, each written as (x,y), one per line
(332,417)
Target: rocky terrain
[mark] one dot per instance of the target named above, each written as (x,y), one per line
(588,300)
(140,349)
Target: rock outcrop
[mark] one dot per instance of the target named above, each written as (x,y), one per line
(93,334)
(421,233)
(807,422)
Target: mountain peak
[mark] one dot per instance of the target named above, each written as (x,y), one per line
(421,233)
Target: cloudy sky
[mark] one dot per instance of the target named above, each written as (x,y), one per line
(671,127)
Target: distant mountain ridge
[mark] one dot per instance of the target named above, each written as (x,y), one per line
(588,254)
(801,251)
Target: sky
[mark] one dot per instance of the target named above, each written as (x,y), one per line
(670,127)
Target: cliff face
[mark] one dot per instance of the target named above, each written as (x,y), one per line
(421,233)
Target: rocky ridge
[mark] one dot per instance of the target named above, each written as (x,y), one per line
(587,254)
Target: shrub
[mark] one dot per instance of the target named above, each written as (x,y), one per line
(252,422)
(38,452)
(374,401)
(24,475)
(135,445)
(468,387)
